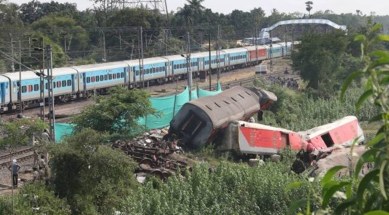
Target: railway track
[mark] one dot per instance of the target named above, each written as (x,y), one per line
(20,154)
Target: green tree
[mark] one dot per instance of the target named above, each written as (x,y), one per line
(63,31)
(367,195)
(34,10)
(319,57)
(91,176)
(117,113)
(32,199)
(20,131)
(309,7)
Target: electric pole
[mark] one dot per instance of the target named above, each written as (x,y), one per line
(218,54)
(141,70)
(12,53)
(51,96)
(189,67)
(20,80)
(209,61)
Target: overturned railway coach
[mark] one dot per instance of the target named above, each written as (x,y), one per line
(198,121)
(82,81)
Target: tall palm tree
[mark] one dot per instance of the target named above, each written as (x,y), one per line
(309,7)
(191,12)
(195,6)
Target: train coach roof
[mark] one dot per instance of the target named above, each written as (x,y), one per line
(320,130)
(26,75)
(63,71)
(3,79)
(252,48)
(235,50)
(234,103)
(146,61)
(101,66)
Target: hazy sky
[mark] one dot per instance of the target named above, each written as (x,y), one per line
(380,7)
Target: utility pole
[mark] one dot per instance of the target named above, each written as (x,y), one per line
(12,53)
(218,54)
(20,80)
(42,94)
(256,44)
(51,96)
(141,70)
(188,66)
(104,50)
(209,61)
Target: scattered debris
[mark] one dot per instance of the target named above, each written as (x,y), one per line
(154,155)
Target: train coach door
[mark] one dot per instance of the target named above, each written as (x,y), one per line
(83,82)
(125,75)
(73,83)
(2,93)
(166,70)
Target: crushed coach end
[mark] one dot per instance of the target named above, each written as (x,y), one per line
(198,121)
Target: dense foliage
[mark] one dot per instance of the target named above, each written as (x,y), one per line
(117,113)
(90,176)
(34,199)
(299,111)
(19,132)
(109,32)
(369,194)
(224,189)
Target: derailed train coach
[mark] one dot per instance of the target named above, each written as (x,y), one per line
(198,121)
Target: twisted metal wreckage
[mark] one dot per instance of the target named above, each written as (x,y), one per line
(222,119)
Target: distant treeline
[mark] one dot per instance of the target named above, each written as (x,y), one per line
(111,32)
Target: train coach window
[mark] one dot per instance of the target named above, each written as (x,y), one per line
(97,78)
(110,76)
(102,77)
(46,86)
(93,79)
(36,87)
(64,83)
(122,74)
(105,77)
(58,83)
(30,88)
(54,84)
(118,75)
(24,89)
(114,76)
(69,83)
